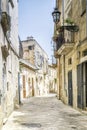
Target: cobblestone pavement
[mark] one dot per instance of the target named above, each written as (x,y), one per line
(47,113)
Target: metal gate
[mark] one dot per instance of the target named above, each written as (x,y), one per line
(80,86)
(70,91)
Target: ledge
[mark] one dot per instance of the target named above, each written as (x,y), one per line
(71,28)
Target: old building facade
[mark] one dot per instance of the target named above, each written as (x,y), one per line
(38,59)
(27,79)
(9,53)
(71,48)
(52,78)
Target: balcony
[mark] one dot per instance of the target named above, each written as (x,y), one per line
(62,46)
(65,48)
(5,21)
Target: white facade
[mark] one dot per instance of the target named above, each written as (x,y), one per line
(52,75)
(27,79)
(9,51)
(38,57)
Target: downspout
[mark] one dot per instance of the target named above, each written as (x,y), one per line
(63,37)
(64,72)
(58,80)
(19,90)
(58,64)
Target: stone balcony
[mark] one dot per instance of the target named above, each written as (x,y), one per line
(64,41)
(65,48)
(62,47)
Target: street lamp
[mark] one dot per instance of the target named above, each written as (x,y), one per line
(56,14)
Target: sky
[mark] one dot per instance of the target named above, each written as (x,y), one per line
(35,20)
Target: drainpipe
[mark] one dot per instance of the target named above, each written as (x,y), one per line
(63,37)
(19,91)
(64,70)
(59,89)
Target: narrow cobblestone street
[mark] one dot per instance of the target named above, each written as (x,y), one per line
(47,113)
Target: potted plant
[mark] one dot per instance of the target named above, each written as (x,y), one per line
(69,21)
(71,26)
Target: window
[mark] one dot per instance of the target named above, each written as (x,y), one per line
(31,47)
(69,61)
(85,53)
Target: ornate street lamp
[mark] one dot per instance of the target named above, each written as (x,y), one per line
(56,14)
(56,19)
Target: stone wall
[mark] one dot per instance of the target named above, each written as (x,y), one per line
(76,54)
(9,63)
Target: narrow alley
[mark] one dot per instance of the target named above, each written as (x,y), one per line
(47,113)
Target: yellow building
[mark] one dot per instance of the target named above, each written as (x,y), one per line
(71,52)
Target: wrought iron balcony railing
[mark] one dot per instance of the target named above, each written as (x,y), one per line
(61,41)
(62,46)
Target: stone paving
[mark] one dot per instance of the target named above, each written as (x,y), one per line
(47,113)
